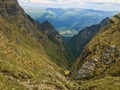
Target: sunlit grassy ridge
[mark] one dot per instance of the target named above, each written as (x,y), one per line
(100,59)
(22,58)
(107,83)
(98,66)
(27,59)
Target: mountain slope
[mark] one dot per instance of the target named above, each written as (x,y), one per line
(24,63)
(101,56)
(78,42)
(26,22)
(54,47)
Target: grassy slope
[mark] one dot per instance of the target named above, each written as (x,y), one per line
(104,51)
(107,41)
(107,83)
(25,59)
(24,63)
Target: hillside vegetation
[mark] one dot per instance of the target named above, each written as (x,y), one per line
(32,55)
(98,66)
(101,56)
(84,37)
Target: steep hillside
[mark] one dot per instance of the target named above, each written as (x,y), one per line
(101,56)
(44,33)
(29,52)
(78,42)
(54,45)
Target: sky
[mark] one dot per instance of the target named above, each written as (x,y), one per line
(107,5)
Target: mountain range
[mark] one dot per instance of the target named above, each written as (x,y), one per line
(69,22)
(34,56)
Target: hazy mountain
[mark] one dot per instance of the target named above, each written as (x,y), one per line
(69,21)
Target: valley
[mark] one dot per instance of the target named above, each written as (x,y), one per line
(68,22)
(36,55)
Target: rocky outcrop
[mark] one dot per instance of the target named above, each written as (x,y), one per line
(101,56)
(9,7)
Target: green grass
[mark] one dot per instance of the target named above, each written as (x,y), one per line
(107,83)
(103,50)
(23,58)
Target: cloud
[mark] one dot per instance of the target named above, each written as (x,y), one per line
(93,4)
(75,1)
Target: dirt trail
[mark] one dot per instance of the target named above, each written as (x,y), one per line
(43,86)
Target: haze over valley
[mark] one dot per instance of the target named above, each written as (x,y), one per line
(70,21)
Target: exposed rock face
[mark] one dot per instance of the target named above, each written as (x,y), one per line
(52,34)
(9,7)
(101,55)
